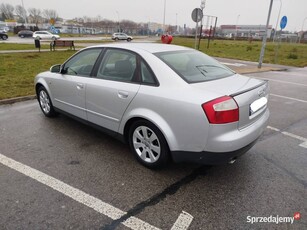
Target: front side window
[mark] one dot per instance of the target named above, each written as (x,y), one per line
(117,65)
(82,63)
(194,66)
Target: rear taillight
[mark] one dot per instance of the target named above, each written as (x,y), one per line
(221,110)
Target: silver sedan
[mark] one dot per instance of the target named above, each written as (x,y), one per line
(168,102)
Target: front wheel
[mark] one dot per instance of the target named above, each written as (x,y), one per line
(4,37)
(45,102)
(148,144)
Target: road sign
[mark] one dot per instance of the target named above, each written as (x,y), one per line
(197,15)
(283,22)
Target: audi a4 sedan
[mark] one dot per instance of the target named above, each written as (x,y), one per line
(167,102)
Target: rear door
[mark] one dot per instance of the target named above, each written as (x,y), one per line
(116,83)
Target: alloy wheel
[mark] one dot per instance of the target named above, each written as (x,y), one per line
(146,144)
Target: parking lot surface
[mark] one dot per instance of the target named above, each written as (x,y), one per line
(60,174)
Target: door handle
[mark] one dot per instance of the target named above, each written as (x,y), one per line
(80,86)
(123,94)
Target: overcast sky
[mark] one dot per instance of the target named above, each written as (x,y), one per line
(252,12)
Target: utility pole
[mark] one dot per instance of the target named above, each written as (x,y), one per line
(25,11)
(265,37)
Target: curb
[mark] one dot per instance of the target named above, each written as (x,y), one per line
(251,71)
(17,99)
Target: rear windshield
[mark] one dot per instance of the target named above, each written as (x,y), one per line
(194,66)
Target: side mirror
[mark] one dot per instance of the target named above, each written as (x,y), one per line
(55,68)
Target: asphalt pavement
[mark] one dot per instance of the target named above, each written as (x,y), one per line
(60,174)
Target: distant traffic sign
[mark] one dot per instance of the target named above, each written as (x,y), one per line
(283,22)
(197,15)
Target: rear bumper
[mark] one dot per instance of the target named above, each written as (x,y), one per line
(210,158)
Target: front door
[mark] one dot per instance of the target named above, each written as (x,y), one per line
(69,86)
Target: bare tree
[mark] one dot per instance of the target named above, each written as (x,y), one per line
(50,14)
(7,11)
(35,15)
(21,13)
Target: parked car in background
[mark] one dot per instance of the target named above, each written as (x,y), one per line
(4,36)
(45,35)
(166,101)
(4,29)
(121,36)
(25,33)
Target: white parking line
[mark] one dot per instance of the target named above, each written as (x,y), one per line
(183,222)
(84,198)
(290,98)
(304,144)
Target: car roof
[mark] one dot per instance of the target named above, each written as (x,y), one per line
(42,31)
(148,47)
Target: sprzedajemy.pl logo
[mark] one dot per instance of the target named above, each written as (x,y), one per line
(273,219)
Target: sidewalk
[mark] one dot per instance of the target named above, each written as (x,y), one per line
(247,67)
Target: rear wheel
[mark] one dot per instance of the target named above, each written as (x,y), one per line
(128,39)
(4,37)
(45,102)
(148,144)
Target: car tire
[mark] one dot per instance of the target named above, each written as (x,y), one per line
(45,102)
(53,38)
(148,144)
(4,37)
(38,38)
(22,36)
(128,39)
(116,39)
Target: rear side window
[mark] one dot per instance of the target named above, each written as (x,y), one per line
(117,65)
(147,75)
(194,66)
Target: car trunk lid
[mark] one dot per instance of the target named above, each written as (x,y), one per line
(250,94)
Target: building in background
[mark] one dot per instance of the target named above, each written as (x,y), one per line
(247,31)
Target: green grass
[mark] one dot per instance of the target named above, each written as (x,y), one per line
(17,71)
(288,54)
(15,46)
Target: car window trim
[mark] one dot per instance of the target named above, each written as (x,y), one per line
(101,57)
(83,50)
(156,83)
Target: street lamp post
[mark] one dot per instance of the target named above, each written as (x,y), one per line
(237,26)
(25,11)
(176,23)
(118,21)
(302,30)
(164,17)
(265,36)
(277,20)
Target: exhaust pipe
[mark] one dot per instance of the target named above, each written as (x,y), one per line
(232,161)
